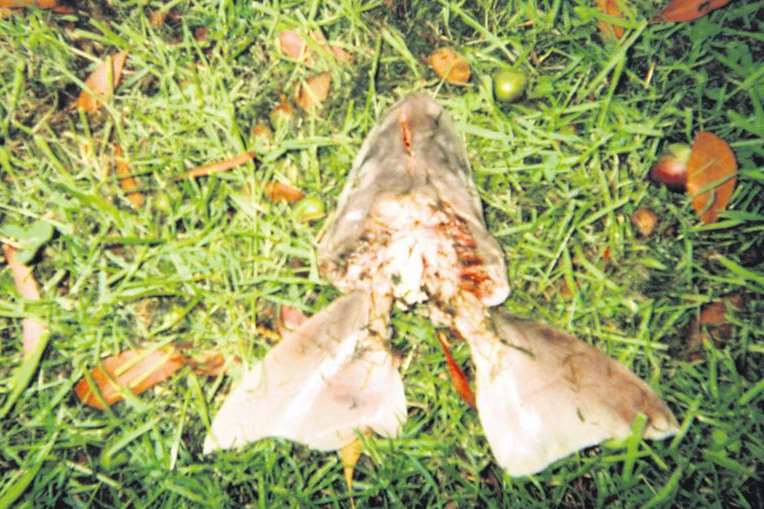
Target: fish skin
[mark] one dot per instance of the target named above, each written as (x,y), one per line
(433,166)
(409,229)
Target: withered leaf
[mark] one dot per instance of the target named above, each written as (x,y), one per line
(101,83)
(220,166)
(314,91)
(32,329)
(711,172)
(134,370)
(688,10)
(609,31)
(276,191)
(40,4)
(450,66)
(127,181)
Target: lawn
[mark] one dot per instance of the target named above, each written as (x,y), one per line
(207,262)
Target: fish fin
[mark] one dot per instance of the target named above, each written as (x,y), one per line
(321,384)
(544,394)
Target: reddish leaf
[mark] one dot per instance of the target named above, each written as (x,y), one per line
(101,83)
(609,31)
(40,4)
(127,181)
(450,66)
(134,370)
(314,91)
(32,329)
(458,378)
(711,173)
(228,164)
(688,10)
(276,191)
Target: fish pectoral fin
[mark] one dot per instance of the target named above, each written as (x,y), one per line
(543,394)
(323,383)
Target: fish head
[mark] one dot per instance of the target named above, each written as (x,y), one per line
(412,174)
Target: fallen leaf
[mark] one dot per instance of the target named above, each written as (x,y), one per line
(127,181)
(220,166)
(208,363)
(349,456)
(101,83)
(711,324)
(276,191)
(688,10)
(32,329)
(201,33)
(450,66)
(282,113)
(40,4)
(157,17)
(314,91)
(133,370)
(711,173)
(715,313)
(608,30)
(340,54)
(293,45)
(461,384)
(644,220)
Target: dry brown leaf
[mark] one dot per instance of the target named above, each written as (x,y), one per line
(32,329)
(450,66)
(340,54)
(157,17)
(609,31)
(134,370)
(645,221)
(220,166)
(40,4)
(208,363)
(276,191)
(314,91)
(461,384)
(127,181)
(101,83)
(293,45)
(688,10)
(711,172)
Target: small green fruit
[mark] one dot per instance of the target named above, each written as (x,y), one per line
(309,208)
(509,86)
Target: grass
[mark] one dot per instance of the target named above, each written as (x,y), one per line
(205,262)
